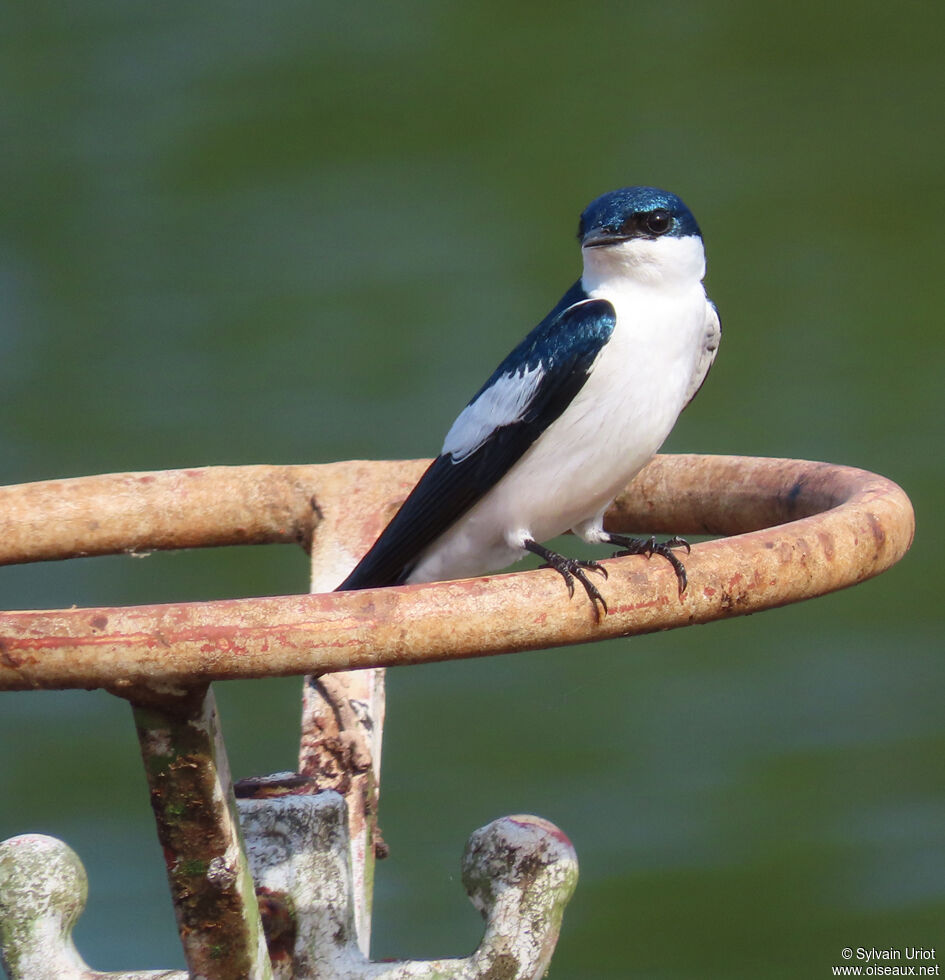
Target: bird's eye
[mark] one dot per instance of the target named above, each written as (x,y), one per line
(658,221)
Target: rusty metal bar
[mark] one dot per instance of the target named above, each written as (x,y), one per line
(167,509)
(340,750)
(834,526)
(343,712)
(199,830)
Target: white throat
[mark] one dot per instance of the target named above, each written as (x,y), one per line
(647,262)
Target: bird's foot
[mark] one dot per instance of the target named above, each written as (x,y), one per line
(570,569)
(650,547)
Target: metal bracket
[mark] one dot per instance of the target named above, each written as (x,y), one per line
(518,871)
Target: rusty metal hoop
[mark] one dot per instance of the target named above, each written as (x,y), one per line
(790,530)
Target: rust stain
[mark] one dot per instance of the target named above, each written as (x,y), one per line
(879,534)
(279,923)
(9,659)
(759,582)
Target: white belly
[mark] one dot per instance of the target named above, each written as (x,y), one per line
(626,409)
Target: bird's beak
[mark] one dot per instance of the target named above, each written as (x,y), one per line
(598,237)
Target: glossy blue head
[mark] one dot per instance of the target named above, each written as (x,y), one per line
(635,213)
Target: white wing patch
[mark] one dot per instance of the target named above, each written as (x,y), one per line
(502,403)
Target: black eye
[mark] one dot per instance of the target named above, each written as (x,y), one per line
(658,221)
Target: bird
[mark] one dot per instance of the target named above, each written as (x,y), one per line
(571,415)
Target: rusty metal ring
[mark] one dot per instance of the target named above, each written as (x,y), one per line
(791,530)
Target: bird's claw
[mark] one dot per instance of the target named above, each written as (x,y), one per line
(570,569)
(649,547)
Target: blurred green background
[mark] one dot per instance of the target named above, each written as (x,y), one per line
(302,232)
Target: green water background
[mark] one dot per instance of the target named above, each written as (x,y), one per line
(304,232)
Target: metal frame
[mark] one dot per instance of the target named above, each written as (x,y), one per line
(277,883)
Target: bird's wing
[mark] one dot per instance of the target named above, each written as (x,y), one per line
(710,346)
(524,395)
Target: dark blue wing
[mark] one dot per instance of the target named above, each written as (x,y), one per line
(559,353)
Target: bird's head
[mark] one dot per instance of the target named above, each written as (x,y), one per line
(642,232)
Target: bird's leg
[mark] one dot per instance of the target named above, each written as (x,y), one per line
(570,569)
(650,547)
